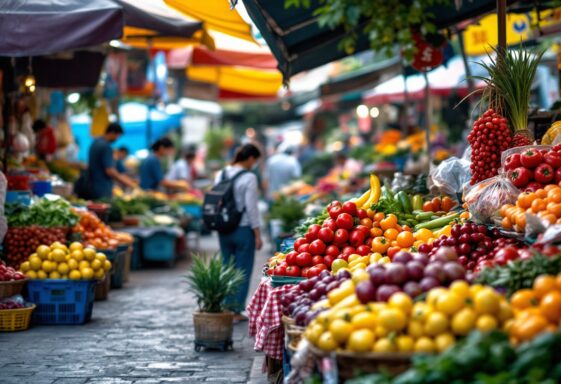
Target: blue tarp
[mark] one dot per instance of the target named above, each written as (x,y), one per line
(133,119)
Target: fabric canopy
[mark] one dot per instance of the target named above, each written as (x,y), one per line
(41,27)
(238,80)
(216,16)
(299,43)
(183,57)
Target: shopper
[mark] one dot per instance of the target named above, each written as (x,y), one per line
(101,167)
(45,139)
(121,155)
(281,168)
(243,241)
(151,172)
(184,169)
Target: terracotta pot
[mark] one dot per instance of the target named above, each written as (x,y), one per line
(213,327)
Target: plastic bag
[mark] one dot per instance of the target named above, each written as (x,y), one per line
(485,198)
(451,176)
(524,148)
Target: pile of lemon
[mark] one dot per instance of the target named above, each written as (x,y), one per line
(58,261)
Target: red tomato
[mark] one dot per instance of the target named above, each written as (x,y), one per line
(317,247)
(558,176)
(362,214)
(291,258)
(330,223)
(364,229)
(304,248)
(344,256)
(334,203)
(299,242)
(304,259)
(357,238)
(531,158)
(326,235)
(317,260)
(512,162)
(520,176)
(304,271)
(313,271)
(533,187)
(270,271)
(341,236)
(334,212)
(553,159)
(348,250)
(350,208)
(505,255)
(293,271)
(363,249)
(345,221)
(550,250)
(544,173)
(392,251)
(322,267)
(328,260)
(332,251)
(279,270)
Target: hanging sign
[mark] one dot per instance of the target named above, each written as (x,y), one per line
(427,56)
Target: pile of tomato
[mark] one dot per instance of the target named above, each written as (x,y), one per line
(533,169)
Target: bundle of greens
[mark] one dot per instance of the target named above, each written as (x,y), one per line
(289,210)
(44,213)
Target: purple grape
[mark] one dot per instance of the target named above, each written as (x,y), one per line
(428,283)
(454,271)
(365,291)
(412,288)
(415,270)
(421,258)
(377,276)
(386,291)
(402,257)
(396,273)
(435,270)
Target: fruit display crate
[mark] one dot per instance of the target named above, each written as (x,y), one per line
(117,258)
(61,301)
(18,319)
(278,281)
(11,288)
(160,246)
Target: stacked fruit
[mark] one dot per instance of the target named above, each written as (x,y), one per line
(476,245)
(544,203)
(427,326)
(58,261)
(21,241)
(534,168)
(536,310)
(94,232)
(11,303)
(9,274)
(489,137)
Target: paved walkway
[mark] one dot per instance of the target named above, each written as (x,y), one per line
(143,334)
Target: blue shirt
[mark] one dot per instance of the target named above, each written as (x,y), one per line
(151,173)
(120,166)
(100,158)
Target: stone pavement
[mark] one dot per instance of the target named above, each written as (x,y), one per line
(143,334)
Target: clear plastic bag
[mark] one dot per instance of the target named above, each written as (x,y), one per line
(452,175)
(485,198)
(524,148)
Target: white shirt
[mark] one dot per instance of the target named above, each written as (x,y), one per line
(246,193)
(281,169)
(180,170)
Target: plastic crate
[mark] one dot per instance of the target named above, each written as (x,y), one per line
(160,246)
(62,301)
(193,210)
(117,259)
(135,256)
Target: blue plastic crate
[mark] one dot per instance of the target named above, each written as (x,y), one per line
(117,259)
(194,210)
(61,301)
(160,246)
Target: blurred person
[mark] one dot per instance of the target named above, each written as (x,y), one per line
(280,169)
(120,155)
(246,238)
(346,167)
(45,139)
(184,168)
(151,172)
(101,165)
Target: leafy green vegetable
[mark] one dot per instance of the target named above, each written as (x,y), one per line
(289,210)
(44,213)
(303,228)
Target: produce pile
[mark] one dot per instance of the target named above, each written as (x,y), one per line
(93,232)
(57,261)
(8,273)
(14,302)
(534,168)
(544,203)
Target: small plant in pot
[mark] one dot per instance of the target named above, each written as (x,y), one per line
(212,280)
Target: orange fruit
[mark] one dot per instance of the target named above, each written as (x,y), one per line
(525,199)
(550,306)
(506,223)
(523,298)
(391,233)
(389,221)
(530,327)
(554,208)
(554,195)
(550,187)
(544,284)
(541,193)
(538,205)
(378,216)
(405,239)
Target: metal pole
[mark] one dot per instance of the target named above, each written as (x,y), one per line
(501,24)
(428,117)
(471,85)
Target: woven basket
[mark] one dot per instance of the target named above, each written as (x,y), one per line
(102,288)
(213,327)
(10,288)
(352,364)
(15,319)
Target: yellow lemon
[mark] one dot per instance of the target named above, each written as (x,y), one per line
(425,345)
(58,255)
(47,266)
(435,324)
(487,301)
(326,342)
(76,246)
(460,287)
(384,345)
(449,303)
(77,255)
(83,264)
(75,275)
(361,340)
(444,341)
(54,275)
(72,264)
(63,268)
(366,320)
(35,263)
(106,265)
(42,275)
(31,274)
(87,273)
(100,256)
(463,322)
(99,274)
(415,329)
(405,343)
(43,251)
(393,319)
(341,330)
(89,254)
(486,323)
(96,264)
(24,267)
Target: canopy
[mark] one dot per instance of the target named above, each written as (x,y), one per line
(181,58)
(298,42)
(237,80)
(40,27)
(216,15)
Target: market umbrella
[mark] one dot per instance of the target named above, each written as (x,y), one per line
(41,27)
(299,43)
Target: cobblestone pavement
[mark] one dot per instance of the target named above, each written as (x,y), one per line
(143,334)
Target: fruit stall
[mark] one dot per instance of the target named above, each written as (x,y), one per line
(460,284)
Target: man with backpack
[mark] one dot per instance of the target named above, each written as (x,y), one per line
(231,208)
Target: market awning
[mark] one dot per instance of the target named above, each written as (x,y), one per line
(238,80)
(298,42)
(41,27)
(216,16)
(183,57)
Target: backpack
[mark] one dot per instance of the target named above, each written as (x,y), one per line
(220,212)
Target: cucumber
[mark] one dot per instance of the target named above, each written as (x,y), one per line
(437,223)
(417,202)
(404,201)
(424,216)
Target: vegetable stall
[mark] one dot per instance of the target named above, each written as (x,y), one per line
(393,286)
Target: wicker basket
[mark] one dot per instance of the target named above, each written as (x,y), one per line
(102,288)
(127,268)
(352,364)
(15,319)
(10,288)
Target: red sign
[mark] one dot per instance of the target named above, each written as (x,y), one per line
(427,56)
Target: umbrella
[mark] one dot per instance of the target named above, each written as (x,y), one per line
(40,27)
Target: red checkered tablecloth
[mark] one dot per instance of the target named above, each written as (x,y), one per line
(265,314)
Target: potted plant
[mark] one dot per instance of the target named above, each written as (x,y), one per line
(212,280)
